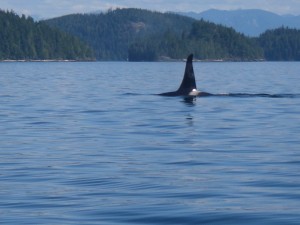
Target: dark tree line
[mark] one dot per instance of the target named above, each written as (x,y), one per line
(206,40)
(282,44)
(138,35)
(22,38)
(142,35)
(111,33)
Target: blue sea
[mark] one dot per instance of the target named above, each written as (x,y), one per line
(92,143)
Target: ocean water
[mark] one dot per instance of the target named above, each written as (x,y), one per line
(92,143)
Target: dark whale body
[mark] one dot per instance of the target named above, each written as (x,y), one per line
(188,85)
(188,88)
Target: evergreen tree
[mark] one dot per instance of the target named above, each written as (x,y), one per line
(22,38)
(282,44)
(142,35)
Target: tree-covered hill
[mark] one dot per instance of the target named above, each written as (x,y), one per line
(138,35)
(111,33)
(142,35)
(251,22)
(23,39)
(282,44)
(206,40)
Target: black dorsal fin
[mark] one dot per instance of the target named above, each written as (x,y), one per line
(188,83)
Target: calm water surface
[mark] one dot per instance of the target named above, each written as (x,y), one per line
(90,143)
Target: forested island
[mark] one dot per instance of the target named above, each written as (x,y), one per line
(138,35)
(23,39)
(142,35)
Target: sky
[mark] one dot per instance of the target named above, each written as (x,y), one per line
(53,8)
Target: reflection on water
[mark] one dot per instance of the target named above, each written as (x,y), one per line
(190,101)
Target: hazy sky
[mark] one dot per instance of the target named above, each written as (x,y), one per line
(53,8)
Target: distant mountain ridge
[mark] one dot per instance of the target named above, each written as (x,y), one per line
(251,22)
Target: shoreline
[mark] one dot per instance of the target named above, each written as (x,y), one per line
(45,60)
(164,60)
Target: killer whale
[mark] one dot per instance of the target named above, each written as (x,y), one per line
(188,87)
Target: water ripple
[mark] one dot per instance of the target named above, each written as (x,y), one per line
(75,149)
